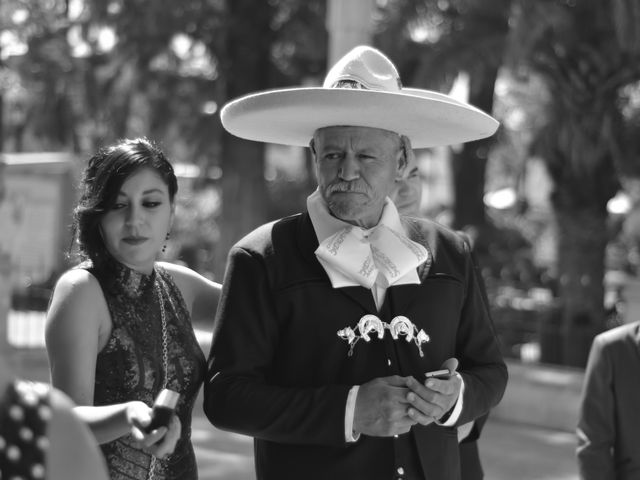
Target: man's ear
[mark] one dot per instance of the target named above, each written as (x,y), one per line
(403,157)
(312,147)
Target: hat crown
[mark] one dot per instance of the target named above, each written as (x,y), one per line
(364,68)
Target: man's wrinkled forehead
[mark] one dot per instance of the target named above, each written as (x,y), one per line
(344,130)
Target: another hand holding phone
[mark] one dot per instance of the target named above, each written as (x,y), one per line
(431,399)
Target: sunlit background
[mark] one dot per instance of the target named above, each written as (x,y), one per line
(549,201)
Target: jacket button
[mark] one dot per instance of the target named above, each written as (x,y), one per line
(400,471)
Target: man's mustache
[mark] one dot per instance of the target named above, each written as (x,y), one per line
(353,187)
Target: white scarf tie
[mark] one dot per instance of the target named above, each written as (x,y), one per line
(361,255)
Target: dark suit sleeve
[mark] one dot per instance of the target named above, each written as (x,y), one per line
(239,394)
(481,363)
(596,427)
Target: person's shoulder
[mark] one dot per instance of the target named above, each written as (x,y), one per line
(622,333)
(260,240)
(77,281)
(77,301)
(74,454)
(60,401)
(433,232)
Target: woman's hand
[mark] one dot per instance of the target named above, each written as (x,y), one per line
(158,442)
(167,443)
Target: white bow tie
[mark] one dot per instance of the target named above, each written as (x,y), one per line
(360,255)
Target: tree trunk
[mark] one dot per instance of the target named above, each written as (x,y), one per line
(1,122)
(469,167)
(469,164)
(582,238)
(247,65)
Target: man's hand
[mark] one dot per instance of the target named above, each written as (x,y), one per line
(432,400)
(381,407)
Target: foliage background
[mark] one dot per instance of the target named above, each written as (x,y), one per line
(561,75)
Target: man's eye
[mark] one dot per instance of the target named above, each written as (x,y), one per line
(332,156)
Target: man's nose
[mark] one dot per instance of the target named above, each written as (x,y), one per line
(349,168)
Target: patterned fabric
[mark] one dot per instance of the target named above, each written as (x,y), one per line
(25,410)
(360,255)
(353,256)
(130,366)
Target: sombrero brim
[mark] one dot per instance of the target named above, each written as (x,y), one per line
(291,116)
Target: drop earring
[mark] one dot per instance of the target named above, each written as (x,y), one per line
(164,247)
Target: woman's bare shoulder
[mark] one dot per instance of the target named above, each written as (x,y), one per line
(77,297)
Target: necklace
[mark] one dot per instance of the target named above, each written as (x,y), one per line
(165,355)
(165,340)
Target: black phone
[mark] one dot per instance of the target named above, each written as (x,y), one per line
(164,408)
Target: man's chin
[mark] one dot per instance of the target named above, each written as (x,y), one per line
(343,212)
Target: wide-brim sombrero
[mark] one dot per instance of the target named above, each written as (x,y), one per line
(363,89)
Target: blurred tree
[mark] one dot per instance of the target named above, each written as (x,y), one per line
(266,45)
(34,47)
(96,71)
(435,43)
(586,52)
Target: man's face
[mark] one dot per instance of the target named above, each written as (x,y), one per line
(407,193)
(356,169)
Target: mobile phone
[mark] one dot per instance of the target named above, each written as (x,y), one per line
(164,407)
(444,373)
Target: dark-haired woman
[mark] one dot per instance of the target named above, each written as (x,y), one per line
(119,324)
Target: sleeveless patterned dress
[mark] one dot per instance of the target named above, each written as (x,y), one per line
(130,366)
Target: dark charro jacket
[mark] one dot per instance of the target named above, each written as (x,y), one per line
(279,372)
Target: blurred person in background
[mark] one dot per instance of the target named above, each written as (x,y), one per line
(119,325)
(350,302)
(41,437)
(407,197)
(407,190)
(609,421)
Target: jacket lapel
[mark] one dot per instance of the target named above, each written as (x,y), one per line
(400,297)
(360,295)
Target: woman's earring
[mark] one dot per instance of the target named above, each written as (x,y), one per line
(164,247)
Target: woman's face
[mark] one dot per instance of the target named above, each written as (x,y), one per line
(135,229)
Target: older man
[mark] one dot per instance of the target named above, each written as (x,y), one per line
(330,319)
